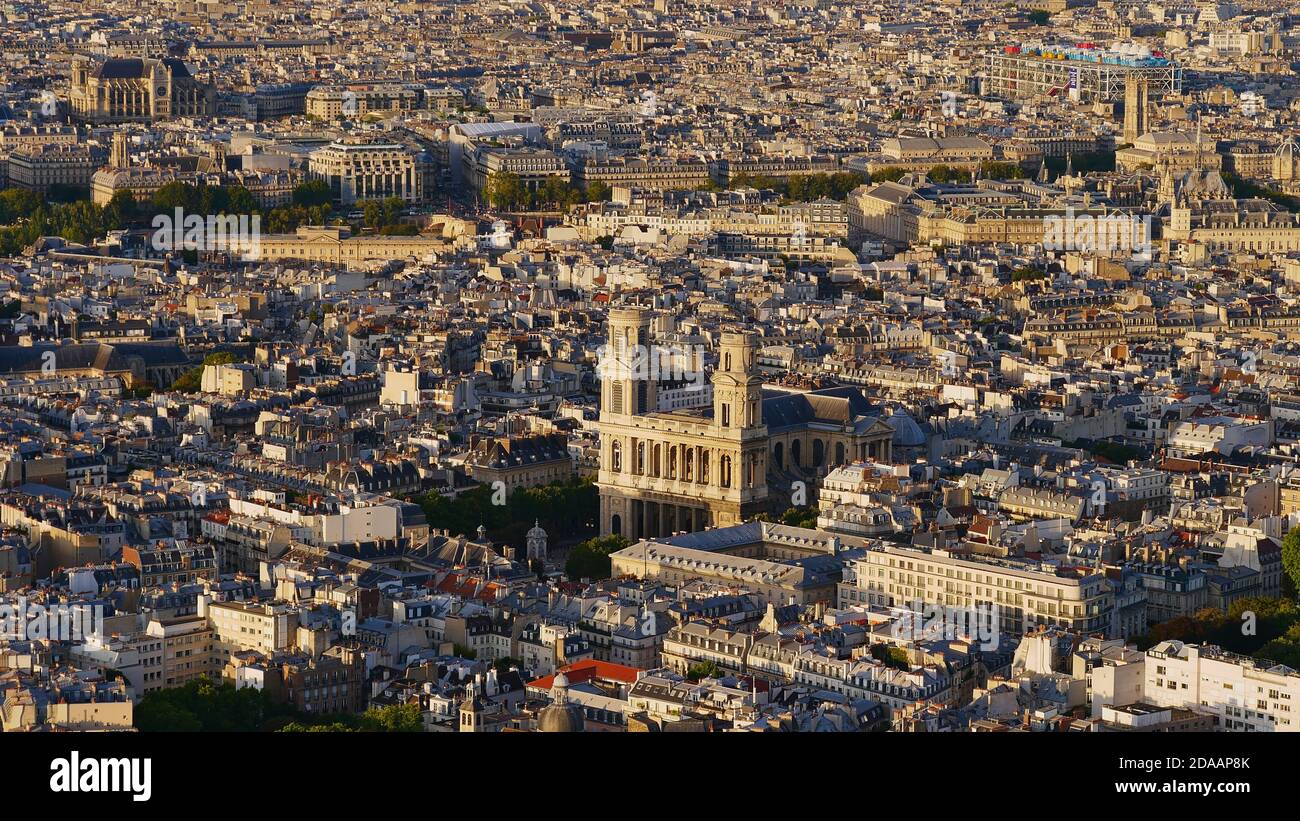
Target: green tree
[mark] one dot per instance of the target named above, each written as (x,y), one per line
(372,212)
(1291,556)
(702,670)
(895,657)
(590,559)
(504,189)
(158,716)
(120,211)
(334,727)
(805,517)
(175,195)
(395,718)
(312,193)
(503,664)
(944,174)
(555,190)
(242,201)
(18,204)
(1001,170)
(889,174)
(208,706)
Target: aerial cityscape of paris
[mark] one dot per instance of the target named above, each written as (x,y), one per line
(539,366)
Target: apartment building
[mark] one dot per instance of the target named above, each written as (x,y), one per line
(41,168)
(533,166)
(179,564)
(1218,434)
(187,649)
(924,153)
(14,136)
(138,656)
(1243,694)
(1024,592)
(238,626)
(332,103)
(360,170)
(333,682)
(651,174)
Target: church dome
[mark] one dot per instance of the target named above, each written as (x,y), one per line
(560,716)
(536,532)
(907,434)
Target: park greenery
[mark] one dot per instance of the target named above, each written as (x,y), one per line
(26,216)
(1114,452)
(803,187)
(890,656)
(565,510)
(207,706)
(394,718)
(505,189)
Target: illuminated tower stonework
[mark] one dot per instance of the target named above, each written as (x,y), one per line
(1136,105)
(667,471)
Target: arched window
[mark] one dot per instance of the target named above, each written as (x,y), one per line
(616,456)
(778,455)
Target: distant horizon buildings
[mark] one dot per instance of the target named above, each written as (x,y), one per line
(1083,73)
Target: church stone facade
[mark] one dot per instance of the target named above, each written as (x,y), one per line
(663,472)
(137,90)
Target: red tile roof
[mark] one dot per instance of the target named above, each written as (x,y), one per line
(586,671)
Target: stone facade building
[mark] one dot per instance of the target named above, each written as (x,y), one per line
(137,90)
(692,468)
